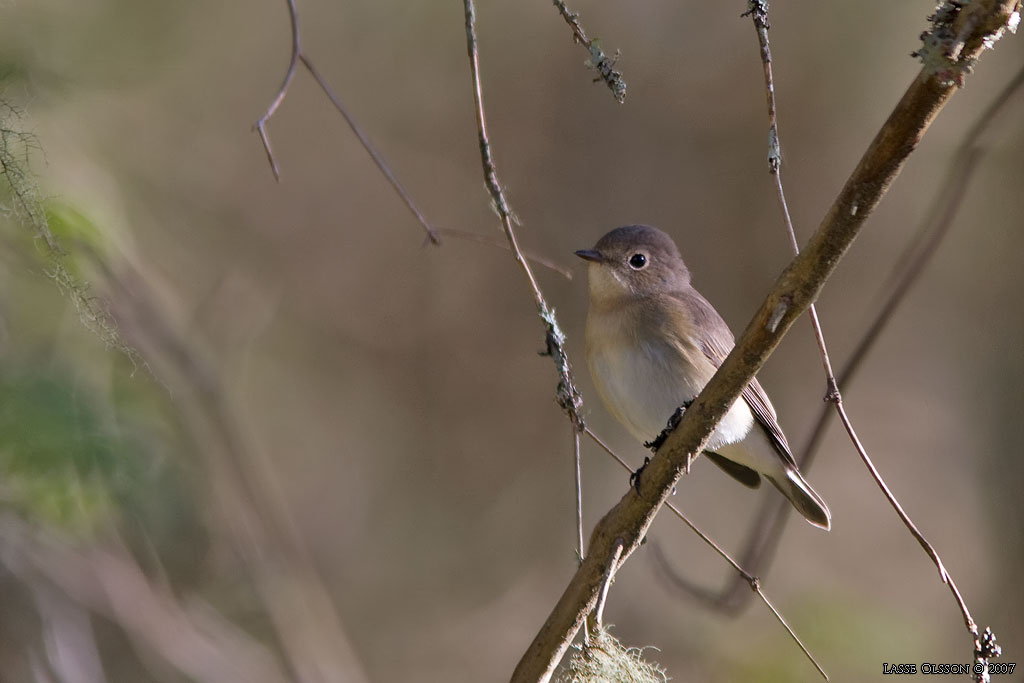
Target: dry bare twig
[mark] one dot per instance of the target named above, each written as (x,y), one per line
(572,409)
(297,56)
(758,11)
(979,23)
(505,213)
(944,57)
(599,61)
(766,531)
(568,396)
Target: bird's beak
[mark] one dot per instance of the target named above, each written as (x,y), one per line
(590,255)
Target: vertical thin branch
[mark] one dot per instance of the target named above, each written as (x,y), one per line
(758,12)
(569,397)
(597,615)
(579,493)
(486,158)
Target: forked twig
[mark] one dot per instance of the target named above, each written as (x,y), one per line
(261,122)
(297,56)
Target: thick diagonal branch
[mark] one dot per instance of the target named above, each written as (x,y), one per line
(795,290)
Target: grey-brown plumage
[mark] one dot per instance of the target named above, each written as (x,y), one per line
(653,342)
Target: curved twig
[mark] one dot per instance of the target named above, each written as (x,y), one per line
(569,397)
(298,56)
(765,533)
(971,19)
(261,123)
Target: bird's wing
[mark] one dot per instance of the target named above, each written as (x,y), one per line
(741,473)
(716,342)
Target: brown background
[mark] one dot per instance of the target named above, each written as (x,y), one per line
(397,387)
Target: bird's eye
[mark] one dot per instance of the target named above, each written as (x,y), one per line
(637,261)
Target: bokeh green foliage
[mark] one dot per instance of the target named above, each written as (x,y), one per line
(85,452)
(90,454)
(61,464)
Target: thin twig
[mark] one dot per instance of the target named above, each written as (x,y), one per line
(765,533)
(569,397)
(686,520)
(371,150)
(609,576)
(261,122)
(502,243)
(298,55)
(579,492)
(751,580)
(486,158)
(599,61)
(796,288)
(764,598)
(946,578)
(758,10)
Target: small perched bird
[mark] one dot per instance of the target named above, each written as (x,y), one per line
(653,342)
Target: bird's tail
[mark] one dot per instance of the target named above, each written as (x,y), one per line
(807,502)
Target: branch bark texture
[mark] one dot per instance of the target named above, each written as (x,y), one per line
(796,289)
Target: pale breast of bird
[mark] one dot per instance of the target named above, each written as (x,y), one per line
(642,382)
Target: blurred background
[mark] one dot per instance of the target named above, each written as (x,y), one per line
(329,450)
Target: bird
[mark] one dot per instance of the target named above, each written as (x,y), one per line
(653,342)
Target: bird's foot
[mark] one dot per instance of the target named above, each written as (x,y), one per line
(634,479)
(673,422)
